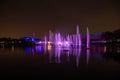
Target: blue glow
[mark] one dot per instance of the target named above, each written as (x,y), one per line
(27,50)
(33,40)
(30,39)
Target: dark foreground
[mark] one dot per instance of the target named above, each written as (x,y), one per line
(18,63)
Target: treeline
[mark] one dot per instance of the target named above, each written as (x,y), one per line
(8,42)
(112,36)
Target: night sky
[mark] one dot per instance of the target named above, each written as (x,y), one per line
(19,18)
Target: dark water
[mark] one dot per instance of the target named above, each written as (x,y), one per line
(51,62)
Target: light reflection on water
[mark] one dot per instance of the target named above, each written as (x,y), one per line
(56,54)
(67,54)
(88,54)
(57,60)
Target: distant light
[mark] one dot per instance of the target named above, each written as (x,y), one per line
(27,38)
(39,42)
(19,41)
(49,47)
(66,43)
(33,39)
(60,43)
(49,42)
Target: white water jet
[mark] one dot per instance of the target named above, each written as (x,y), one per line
(78,37)
(88,38)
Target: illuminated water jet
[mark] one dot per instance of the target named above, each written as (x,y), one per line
(67,41)
(88,39)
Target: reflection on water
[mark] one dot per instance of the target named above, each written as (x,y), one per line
(28,50)
(13,48)
(88,54)
(112,49)
(112,52)
(39,49)
(51,60)
(60,54)
(78,53)
(57,54)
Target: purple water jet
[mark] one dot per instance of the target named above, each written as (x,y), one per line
(58,40)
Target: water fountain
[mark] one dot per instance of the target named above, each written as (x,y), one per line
(70,40)
(88,39)
(45,43)
(78,37)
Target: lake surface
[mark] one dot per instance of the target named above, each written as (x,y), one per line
(49,61)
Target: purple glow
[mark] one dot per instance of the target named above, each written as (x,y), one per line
(88,55)
(33,52)
(78,37)
(68,56)
(39,42)
(78,54)
(57,54)
(39,48)
(59,43)
(65,41)
(45,38)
